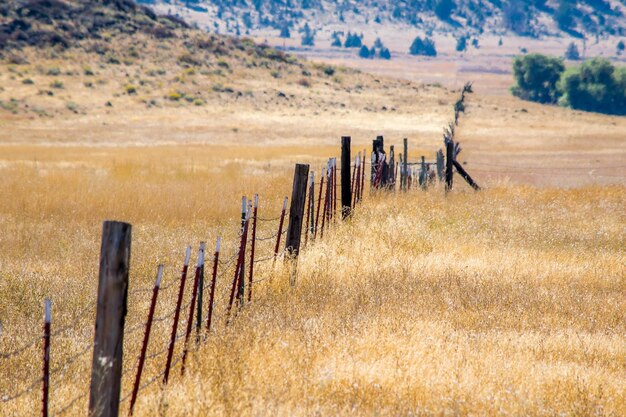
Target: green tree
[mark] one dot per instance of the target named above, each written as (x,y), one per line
(620,47)
(536,77)
(444,8)
(596,86)
(364,52)
(424,46)
(384,53)
(572,52)
(308,35)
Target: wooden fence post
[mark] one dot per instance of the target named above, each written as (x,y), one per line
(392,167)
(405,166)
(440,165)
(106,368)
(449,164)
(296,210)
(466,176)
(346,191)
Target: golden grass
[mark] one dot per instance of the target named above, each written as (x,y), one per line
(507,301)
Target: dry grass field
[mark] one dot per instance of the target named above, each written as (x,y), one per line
(509,301)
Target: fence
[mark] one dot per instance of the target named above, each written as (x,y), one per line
(190,322)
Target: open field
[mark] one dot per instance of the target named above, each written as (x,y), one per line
(505,302)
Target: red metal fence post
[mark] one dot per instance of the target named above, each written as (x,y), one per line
(192,305)
(216,259)
(252,245)
(146,339)
(280,228)
(181,290)
(46,357)
(319,202)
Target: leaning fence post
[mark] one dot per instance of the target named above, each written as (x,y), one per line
(146,339)
(170,351)
(46,356)
(346,191)
(106,368)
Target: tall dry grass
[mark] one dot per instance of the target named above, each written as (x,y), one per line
(507,301)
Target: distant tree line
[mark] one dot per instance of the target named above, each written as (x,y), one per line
(523,17)
(596,85)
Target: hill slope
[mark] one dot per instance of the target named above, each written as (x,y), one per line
(522,17)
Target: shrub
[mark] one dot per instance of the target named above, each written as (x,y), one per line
(572,53)
(188,59)
(536,76)
(130,89)
(424,46)
(385,53)
(304,82)
(328,70)
(174,96)
(364,52)
(28,81)
(56,84)
(54,71)
(461,44)
(596,86)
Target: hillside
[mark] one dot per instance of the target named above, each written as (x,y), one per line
(89,57)
(534,18)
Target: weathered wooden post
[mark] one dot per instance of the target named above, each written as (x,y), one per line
(346,191)
(405,165)
(423,176)
(392,167)
(296,210)
(466,176)
(106,368)
(449,164)
(440,165)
